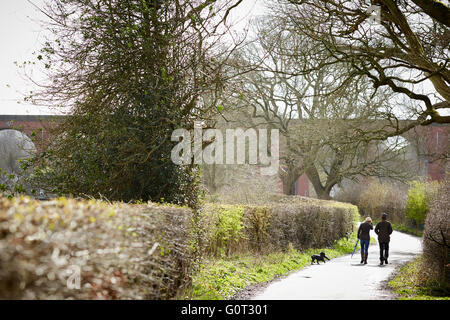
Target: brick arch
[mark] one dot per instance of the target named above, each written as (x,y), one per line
(36,127)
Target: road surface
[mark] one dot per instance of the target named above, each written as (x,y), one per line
(346,278)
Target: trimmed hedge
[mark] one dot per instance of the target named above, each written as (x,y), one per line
(121,251)
(309,223)
(145,251)
(302,222)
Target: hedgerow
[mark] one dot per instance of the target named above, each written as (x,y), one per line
(297,221)
(119,251)
(92,249)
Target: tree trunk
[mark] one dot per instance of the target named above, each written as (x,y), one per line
(289,178)
(324,195)
(289,185)
(321,191)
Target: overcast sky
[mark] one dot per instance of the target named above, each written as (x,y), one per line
(21,35)
(19,38)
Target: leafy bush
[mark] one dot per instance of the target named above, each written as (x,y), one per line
(121,251)
(223,226)
(419,195)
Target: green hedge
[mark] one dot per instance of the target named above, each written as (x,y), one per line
(420,194)
(300,222)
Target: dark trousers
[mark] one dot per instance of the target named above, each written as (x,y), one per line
(384,250)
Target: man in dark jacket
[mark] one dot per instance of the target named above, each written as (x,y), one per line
(383,229)
(364,238)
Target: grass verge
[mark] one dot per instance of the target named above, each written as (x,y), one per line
(410,283)
(406,229)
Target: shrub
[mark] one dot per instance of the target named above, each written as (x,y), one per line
(436,238)
(257,222)
(419,195)
(229,229)
(222,226)
(378,197)
(121,251)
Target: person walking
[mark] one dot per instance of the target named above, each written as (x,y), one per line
(383,229)
(364,238)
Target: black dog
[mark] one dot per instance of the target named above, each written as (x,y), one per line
(316,257)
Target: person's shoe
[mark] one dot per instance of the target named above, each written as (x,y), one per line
(365,258)
(385,260)
(381,262)
(362,257)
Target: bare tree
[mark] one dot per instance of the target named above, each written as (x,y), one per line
(405,48)
(330,123)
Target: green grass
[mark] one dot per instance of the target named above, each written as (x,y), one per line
(406,229)
(410,283)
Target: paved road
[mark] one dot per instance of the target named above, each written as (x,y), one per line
(346,278)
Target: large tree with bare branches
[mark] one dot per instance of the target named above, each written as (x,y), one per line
(401,45)
(332,126)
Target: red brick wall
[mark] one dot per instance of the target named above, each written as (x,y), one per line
(437,144)
(40,125)
(303,186)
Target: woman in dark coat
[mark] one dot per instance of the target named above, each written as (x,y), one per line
(364,238)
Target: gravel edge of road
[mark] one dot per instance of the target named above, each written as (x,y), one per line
(384,286)
(252,290)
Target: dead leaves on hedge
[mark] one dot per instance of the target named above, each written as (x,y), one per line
(71,249)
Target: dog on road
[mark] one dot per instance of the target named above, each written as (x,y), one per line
(317,258)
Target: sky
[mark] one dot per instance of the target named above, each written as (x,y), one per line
(21,34)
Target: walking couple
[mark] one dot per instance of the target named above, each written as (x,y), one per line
(383,229)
